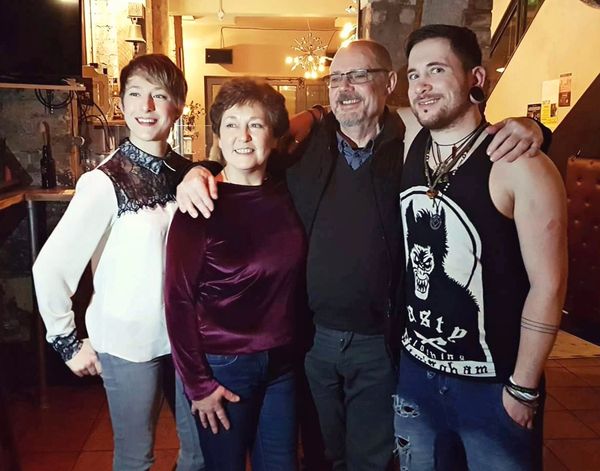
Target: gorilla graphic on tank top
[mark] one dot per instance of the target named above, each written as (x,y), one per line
(443,287)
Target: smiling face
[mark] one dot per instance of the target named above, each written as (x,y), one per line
(359,105)
(246,140)
(438,85)
(150,113)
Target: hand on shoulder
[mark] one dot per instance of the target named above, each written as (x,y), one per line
(196,192)
(514,138)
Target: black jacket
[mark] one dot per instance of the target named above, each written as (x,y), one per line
(309,170)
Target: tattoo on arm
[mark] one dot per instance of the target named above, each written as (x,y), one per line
(540,327)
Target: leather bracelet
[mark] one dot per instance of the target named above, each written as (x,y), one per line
(531,403)
(523,389)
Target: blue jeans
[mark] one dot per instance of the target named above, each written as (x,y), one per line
(352,381)
(135,393)
(433,410)
(263,422)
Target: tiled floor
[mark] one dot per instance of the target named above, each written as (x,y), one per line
(74,433)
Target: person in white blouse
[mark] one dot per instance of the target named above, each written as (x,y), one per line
(118,219)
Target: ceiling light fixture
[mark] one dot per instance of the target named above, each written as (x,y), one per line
(309,56)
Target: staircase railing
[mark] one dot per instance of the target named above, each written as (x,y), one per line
(505,41)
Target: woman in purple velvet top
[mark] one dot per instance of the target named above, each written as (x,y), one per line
(233,291)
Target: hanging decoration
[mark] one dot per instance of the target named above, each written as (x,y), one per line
(310,56)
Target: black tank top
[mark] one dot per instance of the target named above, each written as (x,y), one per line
(465,283)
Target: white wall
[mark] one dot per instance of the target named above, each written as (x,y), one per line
(255,53)
(564,37)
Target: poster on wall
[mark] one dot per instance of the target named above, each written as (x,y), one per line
(549,103)
(564,90)
(534,110)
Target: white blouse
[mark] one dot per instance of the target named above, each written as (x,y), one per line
(119,220)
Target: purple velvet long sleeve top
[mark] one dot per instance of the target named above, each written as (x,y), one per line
(233,281)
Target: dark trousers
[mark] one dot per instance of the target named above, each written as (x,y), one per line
(313,449)
(352,381)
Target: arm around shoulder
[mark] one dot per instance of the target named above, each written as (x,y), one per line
(412,127)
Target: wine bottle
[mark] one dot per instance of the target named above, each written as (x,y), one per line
(47,164)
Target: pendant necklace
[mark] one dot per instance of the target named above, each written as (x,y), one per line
(441,175)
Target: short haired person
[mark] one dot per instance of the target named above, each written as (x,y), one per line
(233,284)
(118,220)
(345,183)
(485,247)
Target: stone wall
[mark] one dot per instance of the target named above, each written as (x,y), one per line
(391,21)
(21,115)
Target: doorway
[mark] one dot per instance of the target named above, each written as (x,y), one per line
(299,94)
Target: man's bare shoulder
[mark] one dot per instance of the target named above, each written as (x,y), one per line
(526,185)
(535,170)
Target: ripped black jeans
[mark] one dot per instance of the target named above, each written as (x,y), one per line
(435,412)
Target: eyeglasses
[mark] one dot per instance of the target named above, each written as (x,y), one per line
(353,76)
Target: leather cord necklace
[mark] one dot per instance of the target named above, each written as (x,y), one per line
(441,174)
(437,155)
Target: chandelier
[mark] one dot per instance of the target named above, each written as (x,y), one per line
(309,57)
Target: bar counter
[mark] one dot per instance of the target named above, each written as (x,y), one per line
(32,195)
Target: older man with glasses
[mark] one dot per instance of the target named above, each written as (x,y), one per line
(351,215)
(344,177)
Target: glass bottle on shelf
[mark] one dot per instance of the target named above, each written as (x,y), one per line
(116,110)
(47,167)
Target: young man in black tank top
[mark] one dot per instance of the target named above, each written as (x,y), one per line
(486,264)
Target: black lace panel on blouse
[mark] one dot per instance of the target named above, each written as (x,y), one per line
(140,180)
